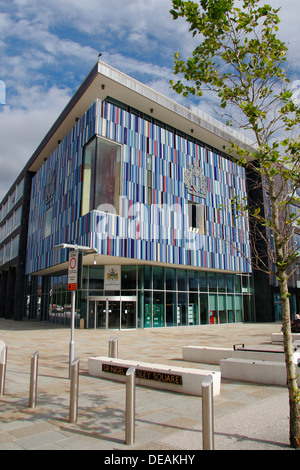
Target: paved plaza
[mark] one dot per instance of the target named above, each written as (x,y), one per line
(246,416)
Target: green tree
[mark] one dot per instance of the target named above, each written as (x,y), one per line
(241,60)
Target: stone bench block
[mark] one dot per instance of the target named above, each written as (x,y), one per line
(262,372)
(260,355)
(278,337)
(210,355)
(2,346)
(176,379)
(205,355)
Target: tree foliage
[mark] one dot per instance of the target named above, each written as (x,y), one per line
(242,61)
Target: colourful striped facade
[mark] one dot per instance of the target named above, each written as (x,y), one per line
(156,232)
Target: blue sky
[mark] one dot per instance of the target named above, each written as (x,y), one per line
(48,47)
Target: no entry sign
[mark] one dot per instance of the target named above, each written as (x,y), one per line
(73,270)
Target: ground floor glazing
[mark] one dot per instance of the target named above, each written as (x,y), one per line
(147,297)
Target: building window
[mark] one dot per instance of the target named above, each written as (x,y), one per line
(233,206)
(17,217)
(48,222)
(297,277)
(197,218)
(149,179)
(6,257)
(101,176)
(14,247)
(19,190)
(295,214)
(11,200)
(89,158)
(107,174)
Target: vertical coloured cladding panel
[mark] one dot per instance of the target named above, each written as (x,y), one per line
(56,197)
(152,222)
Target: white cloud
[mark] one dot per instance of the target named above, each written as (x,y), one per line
(47,48)
(23,128)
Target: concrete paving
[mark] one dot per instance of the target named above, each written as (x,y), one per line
(246,416)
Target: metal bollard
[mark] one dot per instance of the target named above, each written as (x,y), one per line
(208,413)
(33,380)
(113,347)
(74,389)
(130,407)
(3,360)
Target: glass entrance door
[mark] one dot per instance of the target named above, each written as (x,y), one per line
(91,317)
(97,314)
(112,312)
(101,314)
(128,319)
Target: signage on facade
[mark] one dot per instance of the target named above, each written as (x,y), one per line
(73,270)
(144,374)
(112,277)
(194,180)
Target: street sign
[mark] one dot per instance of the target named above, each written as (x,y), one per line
(73,270)
(72,286)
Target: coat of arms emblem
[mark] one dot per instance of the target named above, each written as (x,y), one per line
(194,180)
(112,275)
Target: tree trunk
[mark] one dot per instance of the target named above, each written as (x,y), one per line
(294,397)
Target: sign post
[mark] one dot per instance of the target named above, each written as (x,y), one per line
(72,286)
(74,283)
(73,270)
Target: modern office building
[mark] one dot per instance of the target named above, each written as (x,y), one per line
(266,287)
(13,243)
(146,185)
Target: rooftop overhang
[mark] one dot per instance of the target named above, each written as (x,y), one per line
(103,81)
(102,260)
